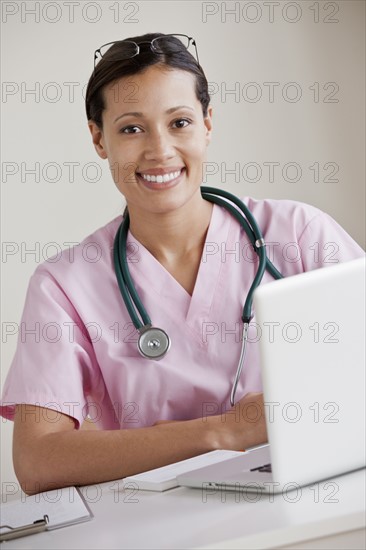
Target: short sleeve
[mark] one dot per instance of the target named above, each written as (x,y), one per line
(54,364)
(299,237)
(323,242)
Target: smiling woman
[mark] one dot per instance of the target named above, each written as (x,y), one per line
(165,134)
(159,146)
(149,115)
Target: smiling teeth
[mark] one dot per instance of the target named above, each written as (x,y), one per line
(161,179)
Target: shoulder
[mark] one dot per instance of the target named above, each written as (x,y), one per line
(286,212)
(95,250)
(290,224)
(289,219)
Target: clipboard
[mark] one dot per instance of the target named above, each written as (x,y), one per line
(30,529)
(43,512)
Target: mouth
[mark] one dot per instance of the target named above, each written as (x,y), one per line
(160,179)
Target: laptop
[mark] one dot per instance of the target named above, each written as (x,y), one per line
(312,350)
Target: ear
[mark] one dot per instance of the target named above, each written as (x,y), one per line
(208,124)
(98,139)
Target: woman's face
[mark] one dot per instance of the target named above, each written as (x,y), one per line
(155,138)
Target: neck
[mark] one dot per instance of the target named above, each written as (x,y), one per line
(172,234)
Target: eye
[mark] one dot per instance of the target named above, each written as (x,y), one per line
(130,130)
(181,122)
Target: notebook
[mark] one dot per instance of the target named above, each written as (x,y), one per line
(43,511)
(312,349)
(161,479)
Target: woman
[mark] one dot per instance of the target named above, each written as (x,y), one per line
(192,264)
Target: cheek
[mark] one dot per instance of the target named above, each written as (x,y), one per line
(123,173)
(197,153)
(122,165)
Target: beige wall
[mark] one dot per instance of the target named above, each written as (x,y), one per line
(293,126)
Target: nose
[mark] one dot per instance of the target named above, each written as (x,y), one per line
(159,146)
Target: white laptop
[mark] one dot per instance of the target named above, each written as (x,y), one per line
(312,350)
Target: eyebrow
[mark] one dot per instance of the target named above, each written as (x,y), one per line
(141,115)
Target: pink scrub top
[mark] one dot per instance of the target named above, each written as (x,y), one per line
(77,347)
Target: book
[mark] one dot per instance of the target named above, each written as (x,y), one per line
(43,511)
(164,478)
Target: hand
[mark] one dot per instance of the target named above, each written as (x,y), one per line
(243,425)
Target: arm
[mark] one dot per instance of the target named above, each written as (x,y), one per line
(51,453)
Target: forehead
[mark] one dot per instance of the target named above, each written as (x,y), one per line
(155,88)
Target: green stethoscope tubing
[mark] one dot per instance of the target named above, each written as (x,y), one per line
(132,299)
(124,279)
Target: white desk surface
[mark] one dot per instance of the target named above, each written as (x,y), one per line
(192,518)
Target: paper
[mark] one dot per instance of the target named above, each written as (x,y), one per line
(62,506)
(164,478)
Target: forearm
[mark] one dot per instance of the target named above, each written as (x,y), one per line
(85,457)
(52,456)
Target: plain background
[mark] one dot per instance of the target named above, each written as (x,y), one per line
(288,83)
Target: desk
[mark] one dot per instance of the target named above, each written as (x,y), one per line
(191,518)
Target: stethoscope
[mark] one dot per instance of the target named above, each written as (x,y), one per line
(154,342)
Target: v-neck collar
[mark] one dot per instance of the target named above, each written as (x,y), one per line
(191,309)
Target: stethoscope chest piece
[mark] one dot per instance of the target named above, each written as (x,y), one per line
(153,343)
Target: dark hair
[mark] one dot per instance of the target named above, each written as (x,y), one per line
(111,68)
